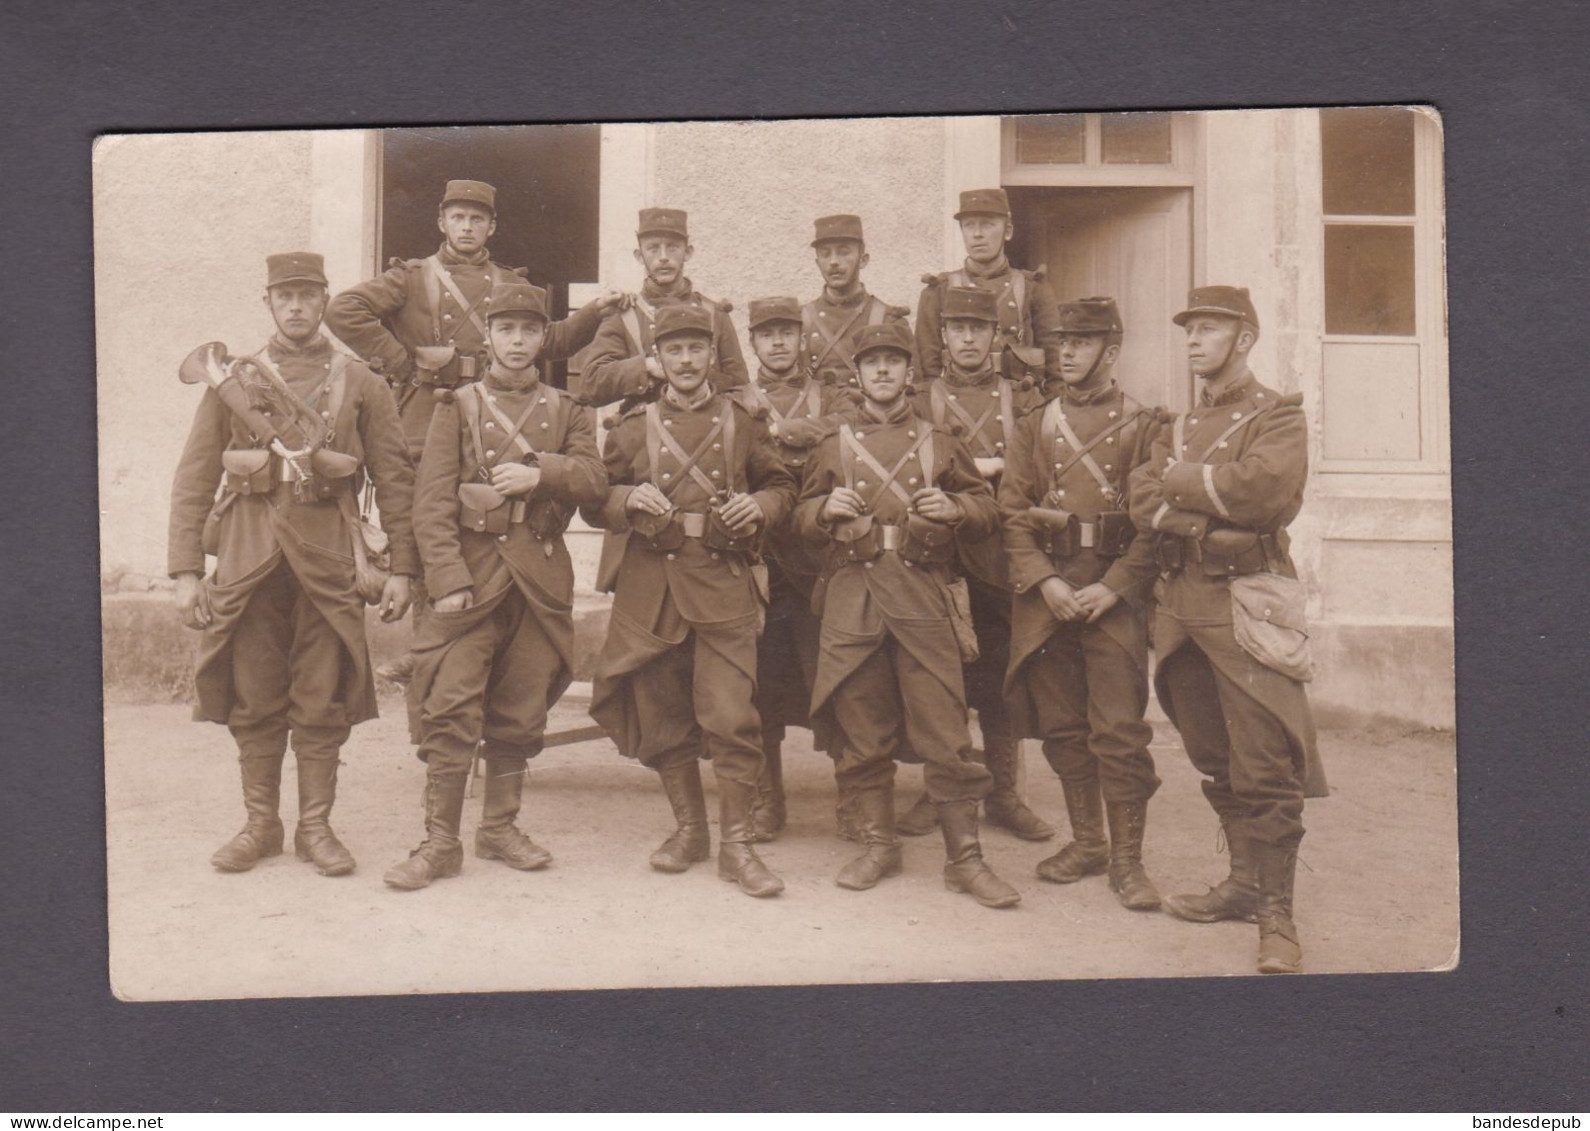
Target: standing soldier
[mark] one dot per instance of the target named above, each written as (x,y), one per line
(423,325)
(287,434)
(1083,579)
(1022,298)
(884,498)
(694,478)
(1218,492)
(796,406)
(507,462)
(971,400)
(622,362)
(831,322)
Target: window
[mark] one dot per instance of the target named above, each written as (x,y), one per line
(1367,157)
(1148,148)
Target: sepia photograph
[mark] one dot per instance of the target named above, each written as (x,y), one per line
(777,552)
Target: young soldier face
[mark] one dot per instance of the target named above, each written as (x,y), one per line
(841,262)
(466,226)
(969,341)
(516,339)
(1079,353)
(685,360)
(1212,340)
(663,257)
(884,373)
(985,236)
(297,309)
(777,344)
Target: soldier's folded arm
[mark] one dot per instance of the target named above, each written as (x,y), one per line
(1253,490)
(611,512)
(576,475)
(356,317)
(731,362)
(193,488)
(814,491)
(929,348)
(611,370)
(568,336)
(961,482)
(386,455)
(436,505)
(1020,489)
(772,485)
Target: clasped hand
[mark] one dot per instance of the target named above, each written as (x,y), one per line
(515,478)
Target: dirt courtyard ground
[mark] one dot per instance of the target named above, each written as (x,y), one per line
(1377,888)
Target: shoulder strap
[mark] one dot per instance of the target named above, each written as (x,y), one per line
(877,310)
(653,440)
(1007,412)
(726,404)
(1018,287)
(336,388)
(631,321)
(958,278)
(937,405)
(1236,426)
(926,448)
(439,274)
(468,400)
(562,408)
(1178,437)
(433,293)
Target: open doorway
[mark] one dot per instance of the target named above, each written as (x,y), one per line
(548,199)
(1132,244)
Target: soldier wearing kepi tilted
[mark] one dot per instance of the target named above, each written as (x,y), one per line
(832,320)
(287,434)
(508,460)
(1022,298)
(884,499)
(1083,579)
(797,408)
(622,363)
(1219,489)
(694,478)
(979,406)
(423,324)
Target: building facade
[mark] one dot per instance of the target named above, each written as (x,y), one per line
(1333,219)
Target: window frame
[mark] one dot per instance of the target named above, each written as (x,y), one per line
(1092,172)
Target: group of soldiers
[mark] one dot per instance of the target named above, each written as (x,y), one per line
(873,535)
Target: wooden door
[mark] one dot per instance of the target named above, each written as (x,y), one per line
(1134,245)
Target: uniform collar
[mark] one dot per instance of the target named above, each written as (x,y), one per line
(1239,390)
(683,288)
(994,270)
(848,303)
(452,259)
(281,349)
(534,380)
(1084,397)
(987,375)
(794,380)
(897,413)
(702,396)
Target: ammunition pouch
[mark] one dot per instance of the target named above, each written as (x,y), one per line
(482,508)
(718,535)
(248,471)
(1224,552)
(334,474)
(1023,364)
(444,367)
(548,519)
(662,532)
(858,539)
(1059,532)
(926,542)
(1116,534)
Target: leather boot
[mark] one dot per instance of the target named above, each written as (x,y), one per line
(1128,881)
(874,809)
(313,841)
(262,834)
(1004,806)
(690,842)
(498,838)
(1088,853)
(1280,951)
(440,854)
(964,869)
(1235,897)
(737,860)
(845,827)
(919,820)
(770,815)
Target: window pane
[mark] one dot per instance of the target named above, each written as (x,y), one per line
(1051,139)
(1369,279)
(1368,161)
(1136,139)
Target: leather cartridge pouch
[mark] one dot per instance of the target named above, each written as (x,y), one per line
(1060,532)
(856,540)
(1268,618)
(662,532)
(335,473)
(433,365)
(927,542)
(248,470)
(720,536)
(548,519)
(1023,363)
(482,508)
(960,602)
(1231,553)
(1116,534)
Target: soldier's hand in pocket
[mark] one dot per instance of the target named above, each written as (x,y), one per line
(455,602)
(193,600)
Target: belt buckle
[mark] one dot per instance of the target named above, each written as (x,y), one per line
(889,537)
(694,525)
(1087,535)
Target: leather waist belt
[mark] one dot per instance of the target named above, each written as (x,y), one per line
(1228,553)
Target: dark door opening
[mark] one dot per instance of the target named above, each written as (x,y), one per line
(548,199)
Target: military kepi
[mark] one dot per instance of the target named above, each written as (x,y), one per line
(842,227)
(886,335)
(1229,302)
(517,298)
(984,202)
(295,267)
(1088,316)
(682,318)
(471,192)
(969,302)
(662,222)
(779,309)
